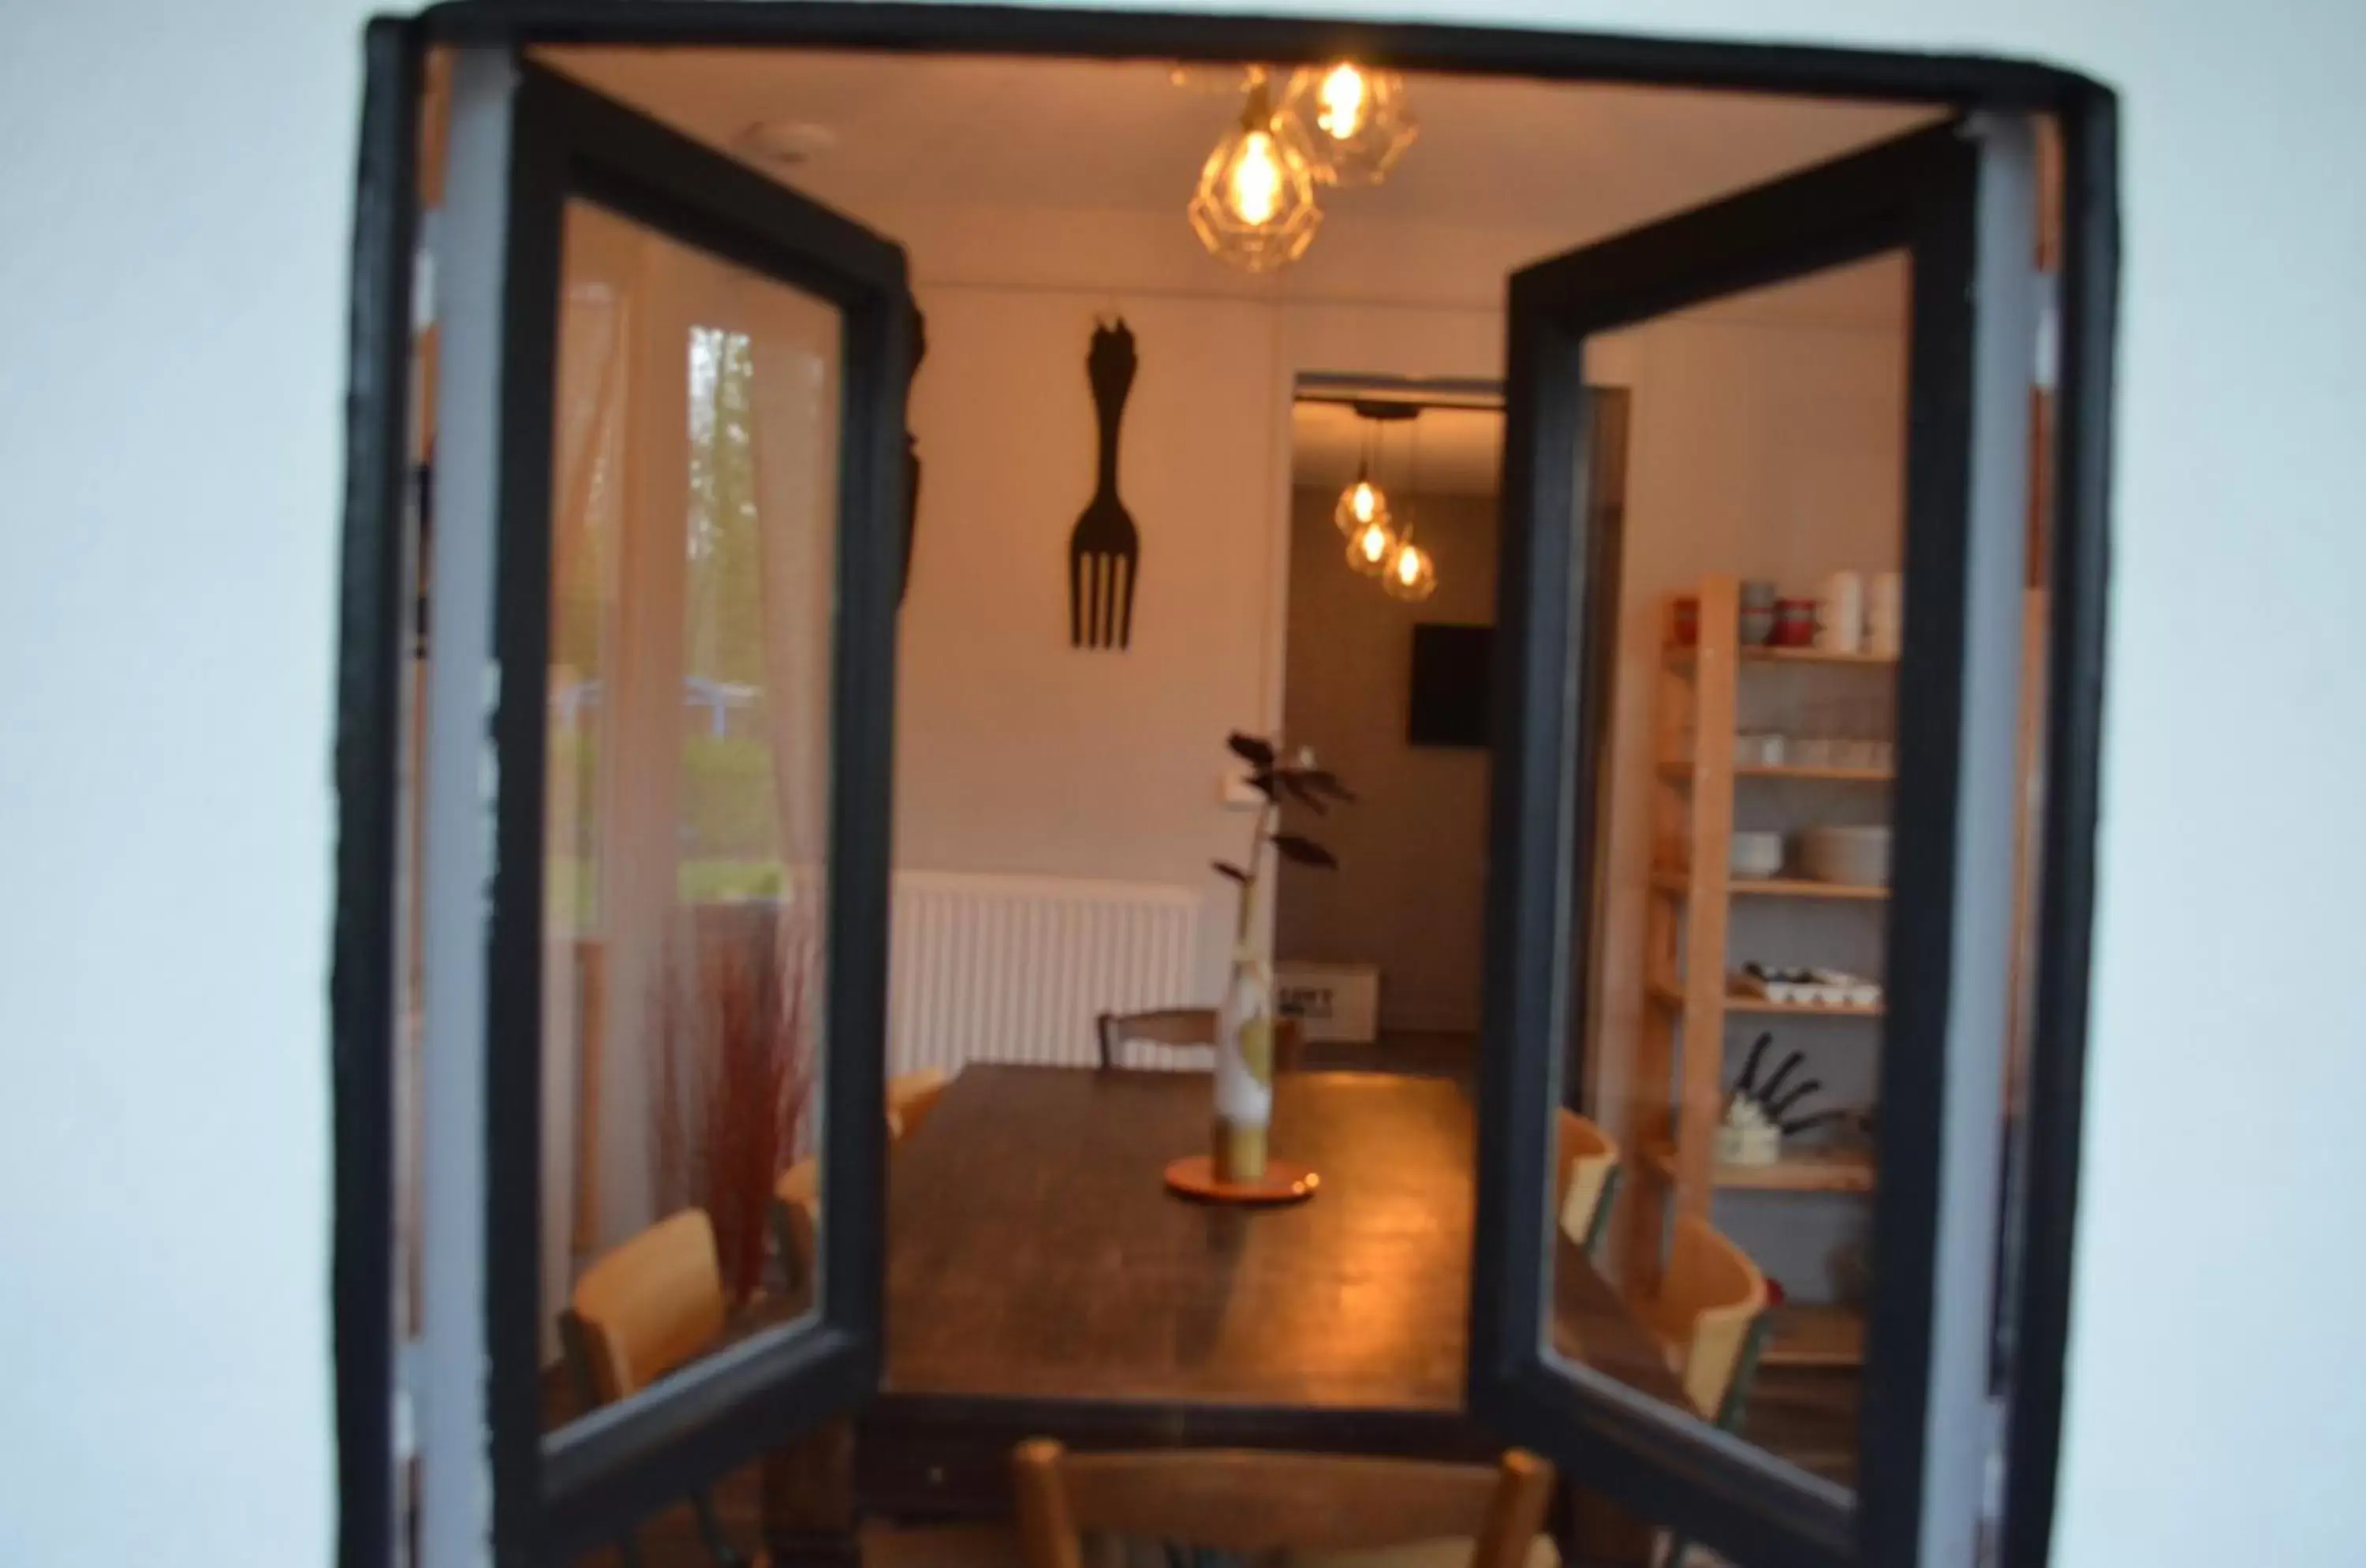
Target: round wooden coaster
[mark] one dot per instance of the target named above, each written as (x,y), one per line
(1285,1182)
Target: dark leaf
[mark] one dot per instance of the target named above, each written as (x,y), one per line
(1227,868)
(1297,787)
(1250,749)
(1325,780)
(1262,782)
(1305,852)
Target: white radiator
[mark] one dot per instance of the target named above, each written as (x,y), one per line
(1015,968)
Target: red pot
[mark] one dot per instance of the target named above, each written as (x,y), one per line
(1795,623)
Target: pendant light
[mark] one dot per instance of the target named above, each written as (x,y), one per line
(1409,574)
(1254,205)
(1357,121)
(1371,541)
(1362,503)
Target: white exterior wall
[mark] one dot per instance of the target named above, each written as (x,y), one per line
(176,185)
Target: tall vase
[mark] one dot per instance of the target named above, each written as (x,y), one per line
(1244,1069)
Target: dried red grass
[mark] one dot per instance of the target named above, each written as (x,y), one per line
(736,1029)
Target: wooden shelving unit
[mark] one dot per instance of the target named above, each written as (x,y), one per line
(1812,1170)
(1685,961)
(1670,995)
(1673,879)
(1681,770)
(1811,1335)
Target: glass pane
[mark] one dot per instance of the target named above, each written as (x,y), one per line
(693,538)
(1712,1248)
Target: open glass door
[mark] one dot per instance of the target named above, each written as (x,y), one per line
(669,479)
(1903,713)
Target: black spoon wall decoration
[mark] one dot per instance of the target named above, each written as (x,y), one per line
(1104,549)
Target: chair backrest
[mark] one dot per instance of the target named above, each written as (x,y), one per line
(1710,1298)
(649,1306)
(1588,1159)
(1230,1500)
(797,1217)
(1187,1026)
(910,1098)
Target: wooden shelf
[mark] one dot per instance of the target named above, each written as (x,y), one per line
(1672,879)
(1668,993)
(1801,887)
(1812,656)
(1800,770)
(1682,772)
(1809,1170)
(1685,653)
(1805,1334)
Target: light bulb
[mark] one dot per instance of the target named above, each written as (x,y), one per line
(1371,546)
(1340,100)
(1257,180)
(1355,122)
(1361,504)
(1254,203)
(1411,574)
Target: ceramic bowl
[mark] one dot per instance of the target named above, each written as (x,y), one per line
(1755,856)
(1856,856)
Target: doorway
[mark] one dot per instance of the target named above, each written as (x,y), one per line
(1389,640)
(969,797)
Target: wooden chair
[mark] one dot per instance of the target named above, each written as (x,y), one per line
(911,1096)
(1587,1162)
(1710,1317)
(1233,1500)
(647,1308)
(1710,1297)
(796,1219)
(1188,1026)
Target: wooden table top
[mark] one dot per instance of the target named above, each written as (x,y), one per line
(1034,1252)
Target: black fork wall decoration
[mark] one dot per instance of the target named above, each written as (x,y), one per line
(1104,549)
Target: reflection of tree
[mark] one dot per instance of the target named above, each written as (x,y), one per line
(725,630)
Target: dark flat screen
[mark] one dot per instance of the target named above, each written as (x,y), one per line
(1450,668)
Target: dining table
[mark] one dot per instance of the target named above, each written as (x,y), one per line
(1040,1281)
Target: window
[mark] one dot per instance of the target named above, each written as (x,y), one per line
(535,584)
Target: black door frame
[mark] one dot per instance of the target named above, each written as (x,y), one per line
(1918,196)
(373,633)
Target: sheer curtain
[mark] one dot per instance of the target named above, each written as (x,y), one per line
(694,496)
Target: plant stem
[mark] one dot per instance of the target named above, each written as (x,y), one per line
(1257,869)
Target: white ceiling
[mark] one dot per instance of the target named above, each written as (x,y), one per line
(933,130)
(1459,450)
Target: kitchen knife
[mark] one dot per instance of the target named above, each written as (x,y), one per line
(1749,1069)
(1818,1120)
(1777,1109)
(1766,1095)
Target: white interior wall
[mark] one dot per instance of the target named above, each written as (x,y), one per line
(177,257)
(1017,753)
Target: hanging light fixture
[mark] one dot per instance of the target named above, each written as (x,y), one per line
(1214,81)
(1254,205)
(1357,121)
(1409,574)
(1362,503)
(1371,541)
